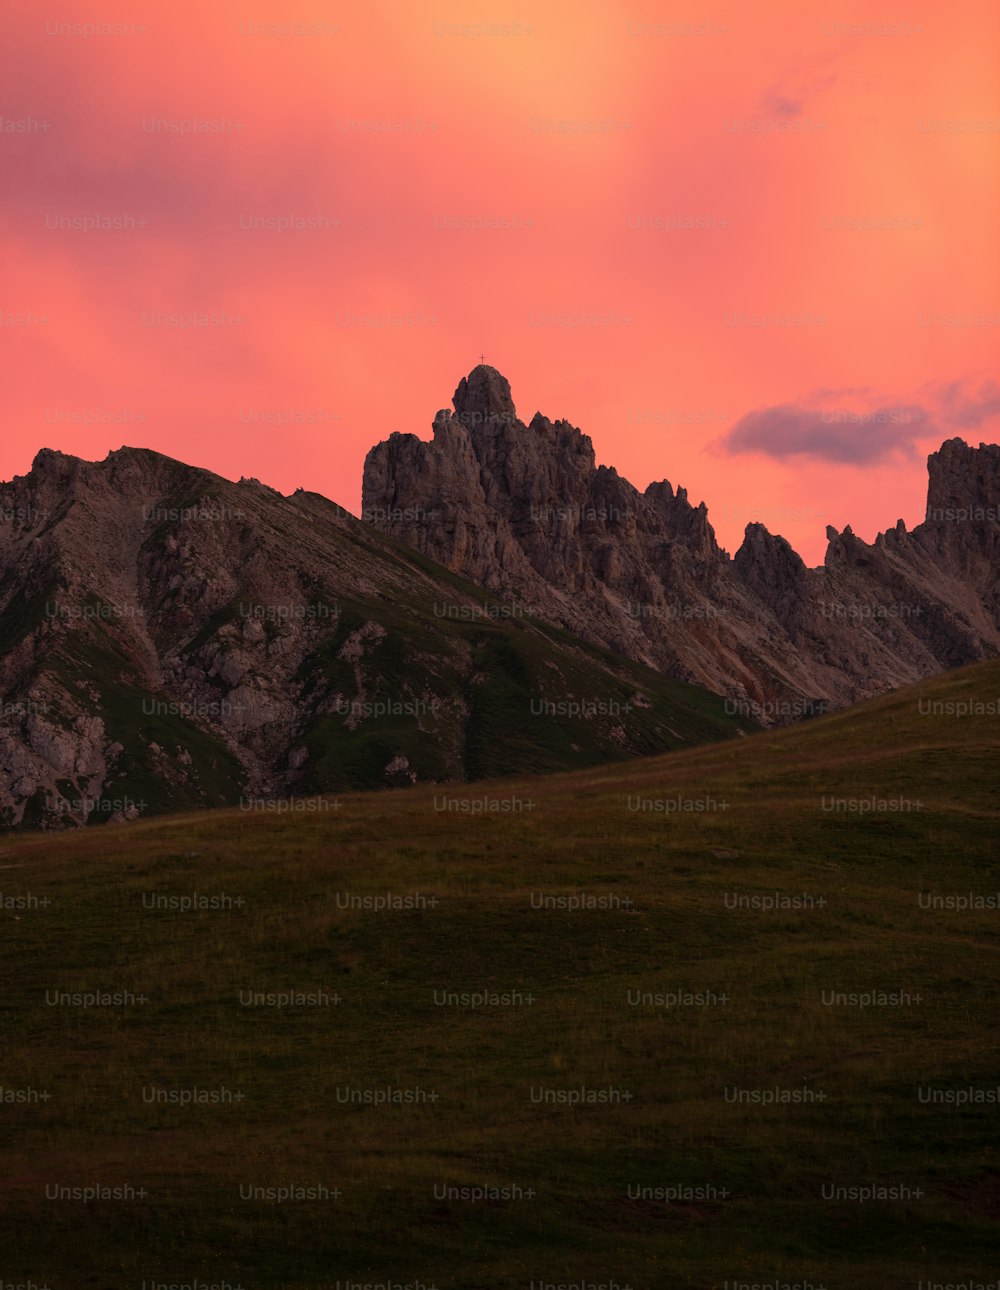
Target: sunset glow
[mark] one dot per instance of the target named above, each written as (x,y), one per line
(749,249)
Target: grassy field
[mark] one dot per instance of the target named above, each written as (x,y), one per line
(664,1086)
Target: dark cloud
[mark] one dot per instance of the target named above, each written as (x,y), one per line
(777,104)
(828,434)
(865,431)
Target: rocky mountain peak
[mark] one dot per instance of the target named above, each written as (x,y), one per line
(50,464)
(483,399)
(961,477)
(768,566)
(47,458)
(527,512)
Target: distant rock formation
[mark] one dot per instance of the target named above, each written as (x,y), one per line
(526,511)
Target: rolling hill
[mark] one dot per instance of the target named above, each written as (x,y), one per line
(726,1015)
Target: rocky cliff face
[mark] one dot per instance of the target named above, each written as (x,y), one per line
(171,640)
(526,511)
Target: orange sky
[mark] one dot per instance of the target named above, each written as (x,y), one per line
(751,249)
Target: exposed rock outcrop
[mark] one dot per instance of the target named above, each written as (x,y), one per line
(171,640)
(526,511)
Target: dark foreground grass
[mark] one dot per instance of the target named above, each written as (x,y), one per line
(673,1006)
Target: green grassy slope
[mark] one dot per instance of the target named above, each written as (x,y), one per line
(847,1113)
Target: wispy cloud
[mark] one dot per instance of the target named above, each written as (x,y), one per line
(790,94)
(852,427)
(964,408)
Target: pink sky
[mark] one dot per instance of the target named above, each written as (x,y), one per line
(846,179)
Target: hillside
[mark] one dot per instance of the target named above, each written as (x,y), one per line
(783,939)
(170,640)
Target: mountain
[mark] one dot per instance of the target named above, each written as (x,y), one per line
(790,1000)
(169,640)
(525,511)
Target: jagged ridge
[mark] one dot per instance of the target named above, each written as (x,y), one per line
(526,511)
(170,640)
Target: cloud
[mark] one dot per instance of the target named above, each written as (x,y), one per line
(777,104)
(842,435)
(793,91)
(850,426)
(964,408)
